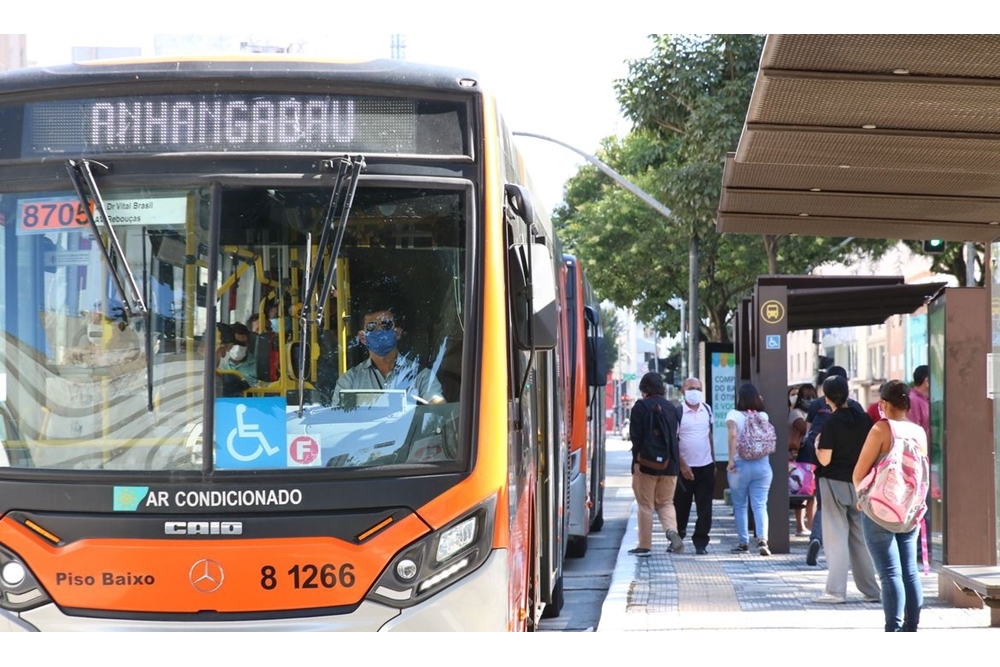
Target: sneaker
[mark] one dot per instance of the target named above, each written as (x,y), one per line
(676,543)
(640,552)
(872,598)
(812,552)
(701,551)
(762,546)
(830,599)
(740,549)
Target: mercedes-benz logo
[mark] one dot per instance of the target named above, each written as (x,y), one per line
(206,576)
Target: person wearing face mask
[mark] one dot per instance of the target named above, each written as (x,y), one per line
(386,367)
(235,359)
(697,464)
(239,358)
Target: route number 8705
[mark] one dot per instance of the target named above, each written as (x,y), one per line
(310,576)
(53,215)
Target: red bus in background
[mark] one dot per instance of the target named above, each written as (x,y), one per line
(585,418)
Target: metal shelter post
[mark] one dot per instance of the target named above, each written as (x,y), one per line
(770,324)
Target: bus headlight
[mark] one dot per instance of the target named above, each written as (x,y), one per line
(19,590)
(456,538)
(438,560)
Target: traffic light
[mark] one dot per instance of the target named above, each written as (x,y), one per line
(669,368)
(933,246)
(824,364)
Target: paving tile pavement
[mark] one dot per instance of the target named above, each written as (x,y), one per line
(721,590)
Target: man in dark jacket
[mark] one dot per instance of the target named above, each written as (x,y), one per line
(654,486)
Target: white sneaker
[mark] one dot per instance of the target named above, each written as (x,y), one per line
(830,599)
(872,598)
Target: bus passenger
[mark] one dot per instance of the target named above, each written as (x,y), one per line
(238,359)
(386,367)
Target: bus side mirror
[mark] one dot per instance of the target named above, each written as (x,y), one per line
(596,356)
(534,292)
(519,202)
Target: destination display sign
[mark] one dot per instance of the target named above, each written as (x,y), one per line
(242,122)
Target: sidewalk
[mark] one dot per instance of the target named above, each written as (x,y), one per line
(728,591)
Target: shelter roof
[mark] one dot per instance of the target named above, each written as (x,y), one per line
(873,136)
(819,302)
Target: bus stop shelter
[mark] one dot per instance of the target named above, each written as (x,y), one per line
(895,137)
(780,304)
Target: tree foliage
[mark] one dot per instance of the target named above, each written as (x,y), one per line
(612,328)
(952,260)
(687,101)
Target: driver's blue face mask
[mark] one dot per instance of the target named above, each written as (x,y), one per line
(380,341)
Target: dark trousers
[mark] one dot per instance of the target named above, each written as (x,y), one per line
(700,489)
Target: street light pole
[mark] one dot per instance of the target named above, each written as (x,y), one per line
(692,355)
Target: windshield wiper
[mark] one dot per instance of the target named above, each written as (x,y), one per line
(81,175)
(309,315)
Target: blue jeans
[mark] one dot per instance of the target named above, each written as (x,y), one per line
(750,483)
(817,527)
(895,558)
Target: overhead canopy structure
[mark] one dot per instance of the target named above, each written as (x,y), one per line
(820,302)
(874,136)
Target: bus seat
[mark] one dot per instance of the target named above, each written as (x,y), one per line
(265,358)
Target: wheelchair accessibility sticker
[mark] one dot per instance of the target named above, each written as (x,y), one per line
(773,342)
(250,433)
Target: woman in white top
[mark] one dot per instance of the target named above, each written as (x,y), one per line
(893,554)
(749,481)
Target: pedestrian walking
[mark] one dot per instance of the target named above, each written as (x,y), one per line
(697,481)
(656,461)
(749,475)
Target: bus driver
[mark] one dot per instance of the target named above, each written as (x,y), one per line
(386,367)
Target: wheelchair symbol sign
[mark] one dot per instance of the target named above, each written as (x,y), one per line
(773,342)
(250,433)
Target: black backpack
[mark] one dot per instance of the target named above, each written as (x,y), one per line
(656,450)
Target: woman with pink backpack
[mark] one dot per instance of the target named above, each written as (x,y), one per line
(894,554)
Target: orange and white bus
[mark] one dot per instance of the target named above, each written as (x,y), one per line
(587,377)
(207,265)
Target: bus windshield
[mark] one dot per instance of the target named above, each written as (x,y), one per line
(374,383)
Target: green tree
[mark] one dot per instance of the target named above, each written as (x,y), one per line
(687,101)
(952,260)
(612,327)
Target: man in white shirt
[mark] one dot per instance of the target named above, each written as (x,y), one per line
(697,480)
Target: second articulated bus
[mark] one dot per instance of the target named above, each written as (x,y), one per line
(587,377)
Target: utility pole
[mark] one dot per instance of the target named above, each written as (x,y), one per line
(665,212)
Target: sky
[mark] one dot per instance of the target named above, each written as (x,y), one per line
(552,63)
(556,83)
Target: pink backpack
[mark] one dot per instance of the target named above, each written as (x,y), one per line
(757,438)
(894,492)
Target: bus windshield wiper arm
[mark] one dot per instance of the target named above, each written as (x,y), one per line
(81,175)
(340,189)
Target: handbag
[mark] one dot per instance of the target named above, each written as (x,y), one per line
(801,479)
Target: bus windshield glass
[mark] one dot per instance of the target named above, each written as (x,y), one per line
(368,381)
